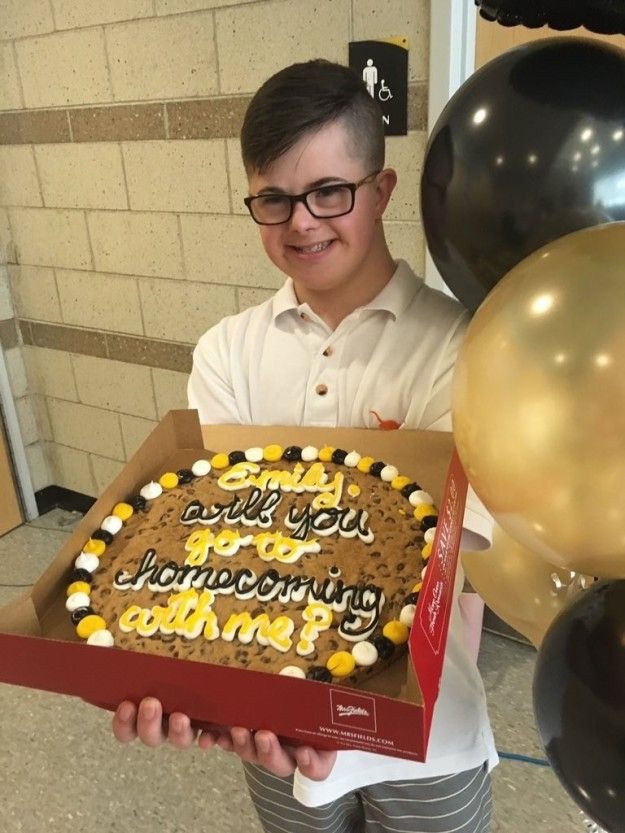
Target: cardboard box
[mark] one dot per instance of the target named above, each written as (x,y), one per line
(38,647)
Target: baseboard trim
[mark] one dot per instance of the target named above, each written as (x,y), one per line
(58,497)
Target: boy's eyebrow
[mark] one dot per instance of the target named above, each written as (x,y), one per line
(318,183)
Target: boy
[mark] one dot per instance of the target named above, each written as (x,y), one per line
(351,332)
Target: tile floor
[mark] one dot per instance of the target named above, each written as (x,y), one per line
(62,771)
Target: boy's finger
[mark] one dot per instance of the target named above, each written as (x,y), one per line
(272,756)
(179,733)
(315,764)
(125,722)
(150,722)
(243,744)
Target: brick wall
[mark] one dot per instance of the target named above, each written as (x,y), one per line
(121,186)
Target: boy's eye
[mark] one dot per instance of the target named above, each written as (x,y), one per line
(329,192)
(272,201)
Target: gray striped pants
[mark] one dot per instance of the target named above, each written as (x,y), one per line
(459,803)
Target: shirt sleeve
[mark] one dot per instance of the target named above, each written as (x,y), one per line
(210,388)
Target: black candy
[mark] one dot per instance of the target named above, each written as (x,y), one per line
(338,456)
(80,575)
(293,453)
(236,457)
(184,476)
(80,613)
(319,673)
(411,599)
(376,469)
(428,522)
(385,647)
(409,488)
(138,503)
(102,535)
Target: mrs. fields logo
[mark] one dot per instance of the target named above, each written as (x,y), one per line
(354,710)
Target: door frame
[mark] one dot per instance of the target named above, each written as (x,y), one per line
(16,444)
(453,25)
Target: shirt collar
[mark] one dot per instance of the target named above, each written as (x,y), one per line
(394,298)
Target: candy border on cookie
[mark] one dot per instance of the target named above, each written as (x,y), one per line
(93,628)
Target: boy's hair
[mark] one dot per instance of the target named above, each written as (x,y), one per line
(304,98)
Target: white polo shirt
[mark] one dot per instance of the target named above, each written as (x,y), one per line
(279,364)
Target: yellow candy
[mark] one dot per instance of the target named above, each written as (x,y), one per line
(325,454)
(399,482)
(364,464)
(396,631)
(94,546)
(90,624)
(272,453)
(426,552)
(79,587)
(123,511)
(353,490)
(169,480)
(424,509)
(341,664)
(417,587)
(220,461)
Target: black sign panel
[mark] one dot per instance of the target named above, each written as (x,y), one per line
(383,66)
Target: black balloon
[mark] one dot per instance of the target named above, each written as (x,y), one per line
(579,701)
(604,16)
(530,148)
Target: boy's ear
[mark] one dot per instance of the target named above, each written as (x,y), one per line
(385,185)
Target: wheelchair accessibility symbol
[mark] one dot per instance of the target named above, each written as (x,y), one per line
(384,93)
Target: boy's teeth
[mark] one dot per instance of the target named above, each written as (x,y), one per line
(318,247)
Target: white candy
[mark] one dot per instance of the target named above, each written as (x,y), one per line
(200,468)
(112,524)
(419,496)
(388,473)
(151,490)
(352,459)
(293,671)
(423,571)
(254,455)
(87,561)
(365,653)
(309,453)
(406,615)
(428,535)
(103,638)
(77,600)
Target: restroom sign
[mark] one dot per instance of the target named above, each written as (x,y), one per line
(383,67)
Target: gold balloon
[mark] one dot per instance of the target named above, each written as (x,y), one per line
(523,589)
(539,402)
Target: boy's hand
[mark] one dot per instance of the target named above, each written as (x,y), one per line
(262,747)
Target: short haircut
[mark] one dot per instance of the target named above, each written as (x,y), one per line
(302,99)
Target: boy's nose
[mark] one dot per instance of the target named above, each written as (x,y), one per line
(301,218)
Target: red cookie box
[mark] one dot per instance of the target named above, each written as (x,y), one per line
(39,649)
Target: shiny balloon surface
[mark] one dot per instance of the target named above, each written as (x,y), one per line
(539,402)
(530,148)
(523,589)
(579,702)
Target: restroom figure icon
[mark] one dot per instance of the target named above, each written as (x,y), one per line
(370,77)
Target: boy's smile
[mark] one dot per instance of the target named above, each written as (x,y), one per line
(338,263)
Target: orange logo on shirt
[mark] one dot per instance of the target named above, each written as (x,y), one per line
(386,424)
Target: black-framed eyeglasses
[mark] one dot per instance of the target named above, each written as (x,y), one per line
(323,202)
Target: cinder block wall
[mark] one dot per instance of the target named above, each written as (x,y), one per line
(121,186)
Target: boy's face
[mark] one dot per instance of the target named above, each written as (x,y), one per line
(324,254)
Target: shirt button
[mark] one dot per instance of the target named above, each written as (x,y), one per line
(328,351)
(321,390)
(303,316)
